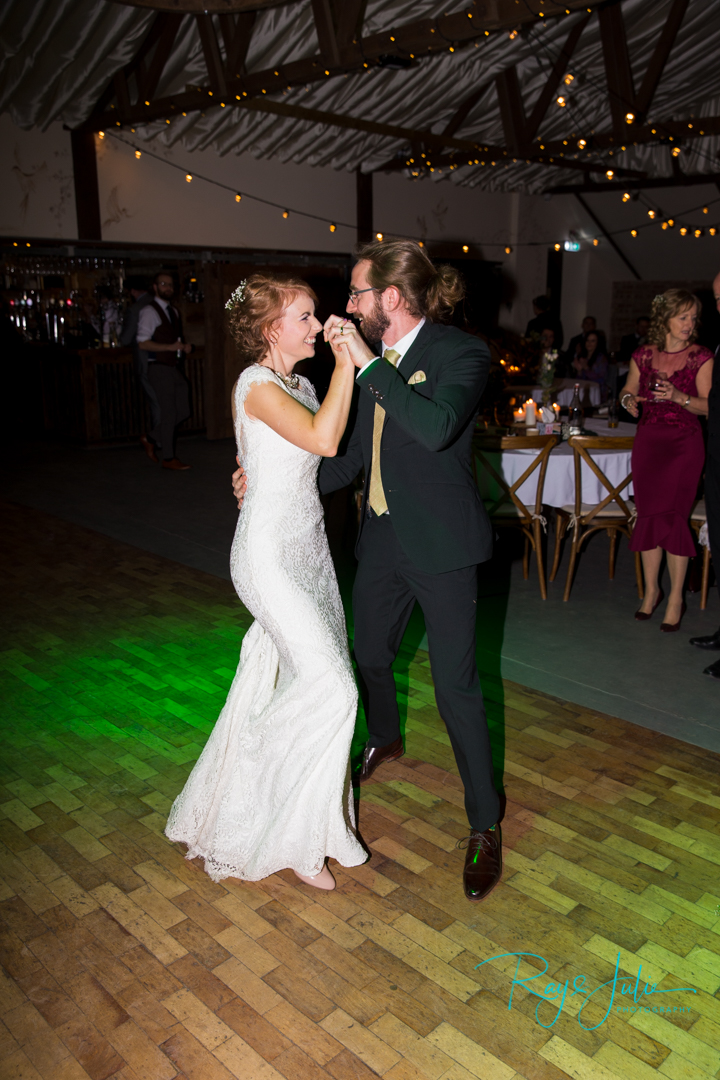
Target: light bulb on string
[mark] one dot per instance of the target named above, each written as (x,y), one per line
(286,214)
(378,236)
(712,231)
(238,197)
(627,197)
(188,177)
(705,210)
(582,143)
(652,214)
(333,227)
(629,117)
(683,231)
(558,247)
(596,242)
(508,250)
(698,233)
(465,248)
(671,223)
(609,173)
(633,233)
(561,100)
(138,154)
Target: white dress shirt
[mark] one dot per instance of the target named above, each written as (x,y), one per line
(149,320)
(400,346)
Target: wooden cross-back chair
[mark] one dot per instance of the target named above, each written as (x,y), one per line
(613,513)
(508,511)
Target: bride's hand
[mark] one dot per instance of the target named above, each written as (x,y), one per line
(343,332)
(338,333)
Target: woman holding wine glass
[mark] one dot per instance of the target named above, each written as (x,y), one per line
(671,375)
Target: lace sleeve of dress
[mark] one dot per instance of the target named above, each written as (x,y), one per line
(699,355)
(253,374)
(643,356)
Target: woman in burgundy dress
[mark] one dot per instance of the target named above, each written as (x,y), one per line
(672,376)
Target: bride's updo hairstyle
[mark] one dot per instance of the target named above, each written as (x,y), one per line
(256,306)
(665,307)
(428,290)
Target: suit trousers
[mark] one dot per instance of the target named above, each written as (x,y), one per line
(387,585)
(173,396)
(712,504)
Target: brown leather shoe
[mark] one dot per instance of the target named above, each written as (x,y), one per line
(483,862)
(149,448)
(376,755)
(175,464)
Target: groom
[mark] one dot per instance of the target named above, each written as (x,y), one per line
(423,525)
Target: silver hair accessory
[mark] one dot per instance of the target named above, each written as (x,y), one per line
(659,299)
(237,297)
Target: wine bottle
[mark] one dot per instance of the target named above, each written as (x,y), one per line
(575,413)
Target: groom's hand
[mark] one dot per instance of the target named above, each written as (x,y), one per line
(239,484)
(360,352)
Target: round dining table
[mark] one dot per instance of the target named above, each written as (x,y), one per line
(560,476)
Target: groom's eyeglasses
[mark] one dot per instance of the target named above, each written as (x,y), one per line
(354,293)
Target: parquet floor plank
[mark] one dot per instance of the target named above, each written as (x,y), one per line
(123,961)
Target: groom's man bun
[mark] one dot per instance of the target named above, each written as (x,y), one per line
(429,290)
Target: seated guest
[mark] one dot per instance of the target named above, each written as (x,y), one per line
(544,320)
(547,340)
(589,324)
(630,342)
(591,361)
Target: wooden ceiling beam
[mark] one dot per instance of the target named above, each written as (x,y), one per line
(659,58)
(421,38)
(460,115)
(237,32)
(325,27)
(211,52)
(163,49)
(555,78)
(512,113)
(656,183)
(349,18)
(621,94)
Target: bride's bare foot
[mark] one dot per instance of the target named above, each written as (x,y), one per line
(323,880)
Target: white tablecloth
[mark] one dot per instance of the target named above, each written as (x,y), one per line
(560,476)
(563,390)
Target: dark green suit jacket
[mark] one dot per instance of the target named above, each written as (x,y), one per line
(435,508)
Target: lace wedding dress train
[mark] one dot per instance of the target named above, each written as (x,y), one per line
(271,789)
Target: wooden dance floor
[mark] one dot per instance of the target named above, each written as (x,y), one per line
(123,960)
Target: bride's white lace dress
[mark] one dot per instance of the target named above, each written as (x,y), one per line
(271,789)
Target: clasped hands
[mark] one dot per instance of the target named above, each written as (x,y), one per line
(343,338)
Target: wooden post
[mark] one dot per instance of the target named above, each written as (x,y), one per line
(87,194)
(364,216)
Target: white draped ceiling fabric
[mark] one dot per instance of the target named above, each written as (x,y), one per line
(57,58)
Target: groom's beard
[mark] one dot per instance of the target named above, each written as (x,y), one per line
(375,324)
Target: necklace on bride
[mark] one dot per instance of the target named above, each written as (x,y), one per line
(292,381)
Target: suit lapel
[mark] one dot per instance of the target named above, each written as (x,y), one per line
(411,360)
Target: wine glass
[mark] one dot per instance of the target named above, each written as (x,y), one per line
(656,380)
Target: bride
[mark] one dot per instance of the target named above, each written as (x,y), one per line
(271,789)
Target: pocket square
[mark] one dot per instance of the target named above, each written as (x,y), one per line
(417,377)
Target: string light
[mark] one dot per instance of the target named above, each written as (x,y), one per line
(671,223)
(627,196)
(698,233)
(378,236)
(633,232)
(101,134)
(188,177)
(676,151)
(558,247)
(683,231)
(712,230)
(466,248)
(582,143)
(238,197)
(333,227)
(568,79)
(562,102)
(629,117)
(705,210)
(508,250)
(596,242)
(138,154)
(652,214)
(286,214)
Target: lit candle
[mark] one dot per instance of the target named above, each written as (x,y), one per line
(530,417)
(556,410)
(518,415)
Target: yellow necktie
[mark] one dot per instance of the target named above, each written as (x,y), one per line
(376,497)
